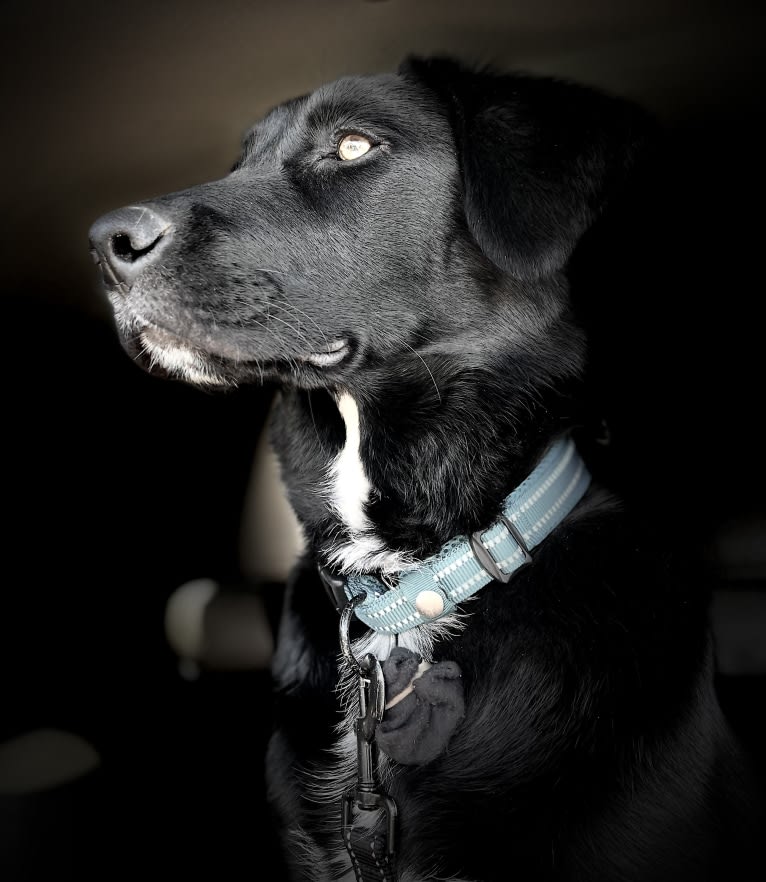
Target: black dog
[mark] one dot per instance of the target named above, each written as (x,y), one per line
(395,252)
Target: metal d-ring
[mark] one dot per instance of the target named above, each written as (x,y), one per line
(345,622)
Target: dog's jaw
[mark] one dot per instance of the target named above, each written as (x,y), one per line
(178,360)
(205,359)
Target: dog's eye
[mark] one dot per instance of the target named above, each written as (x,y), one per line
(353,146)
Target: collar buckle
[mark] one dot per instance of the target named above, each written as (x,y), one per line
(488,563)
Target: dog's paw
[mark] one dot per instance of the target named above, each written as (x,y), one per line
(417,728)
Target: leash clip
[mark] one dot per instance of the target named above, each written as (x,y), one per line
(366,795)
(345,640)
(335,586)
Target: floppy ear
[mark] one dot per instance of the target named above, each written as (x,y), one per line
(539,157)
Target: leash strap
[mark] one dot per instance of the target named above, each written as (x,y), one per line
(467,564)
(369,856)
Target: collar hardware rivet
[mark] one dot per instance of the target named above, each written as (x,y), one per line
(429,604)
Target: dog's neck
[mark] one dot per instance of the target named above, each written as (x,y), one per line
(389,470)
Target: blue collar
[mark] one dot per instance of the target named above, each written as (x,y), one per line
(466,564)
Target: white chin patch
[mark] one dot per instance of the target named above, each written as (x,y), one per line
(180,361)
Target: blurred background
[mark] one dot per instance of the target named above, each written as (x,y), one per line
(146,536)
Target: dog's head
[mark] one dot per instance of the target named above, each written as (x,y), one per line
(370,220)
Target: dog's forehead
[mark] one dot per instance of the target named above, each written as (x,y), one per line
(384,97)
(387,100)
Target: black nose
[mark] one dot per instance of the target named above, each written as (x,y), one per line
(125,242)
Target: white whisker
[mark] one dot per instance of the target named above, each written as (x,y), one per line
(433,379)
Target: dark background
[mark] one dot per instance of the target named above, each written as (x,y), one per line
(119,487)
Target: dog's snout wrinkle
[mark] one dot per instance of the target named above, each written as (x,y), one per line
(127,241)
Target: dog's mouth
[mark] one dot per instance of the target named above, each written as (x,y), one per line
(337,352)
(178,356)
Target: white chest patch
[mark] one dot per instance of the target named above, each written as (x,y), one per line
(349,491)
(350,485)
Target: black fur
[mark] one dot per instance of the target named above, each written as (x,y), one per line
(593,746)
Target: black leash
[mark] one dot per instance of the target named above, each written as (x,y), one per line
(368,813)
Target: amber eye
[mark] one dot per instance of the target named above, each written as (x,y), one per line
(353,146)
